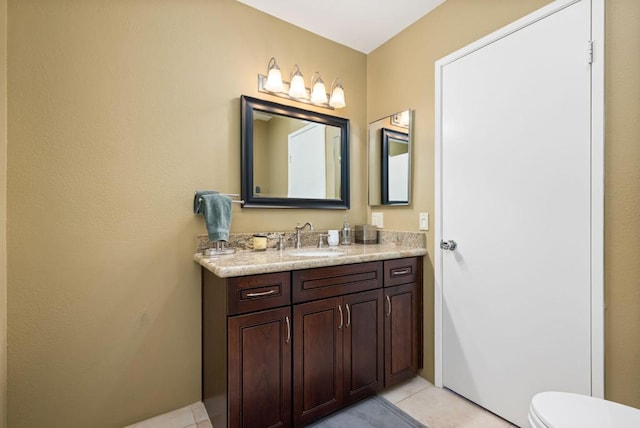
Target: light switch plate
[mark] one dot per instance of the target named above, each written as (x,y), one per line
(377,219)
(423,223)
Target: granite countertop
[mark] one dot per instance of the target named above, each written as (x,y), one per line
(250,262)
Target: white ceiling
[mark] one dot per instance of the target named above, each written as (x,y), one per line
(360,24)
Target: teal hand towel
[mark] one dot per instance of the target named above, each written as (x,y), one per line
(216,210)
(197,200)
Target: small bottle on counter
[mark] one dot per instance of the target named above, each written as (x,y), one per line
(346,232)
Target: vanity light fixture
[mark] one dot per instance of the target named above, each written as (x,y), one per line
(318,91)
(297,88)
(337,94)
(401,119)
(274,77)
(273,84)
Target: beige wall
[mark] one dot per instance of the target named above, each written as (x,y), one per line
(400,75)
(622,202)
(120,110)
(3,213)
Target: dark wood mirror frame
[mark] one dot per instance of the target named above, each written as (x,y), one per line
(250,105)
(388,134)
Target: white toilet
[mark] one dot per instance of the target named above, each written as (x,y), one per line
(567,410)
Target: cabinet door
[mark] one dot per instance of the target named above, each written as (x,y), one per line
(363,344)
(401,333)
(260,369)
(317,369)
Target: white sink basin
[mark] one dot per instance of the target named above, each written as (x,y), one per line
(316,252)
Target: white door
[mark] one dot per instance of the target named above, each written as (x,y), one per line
(516,197)
(307,166)
(399,177)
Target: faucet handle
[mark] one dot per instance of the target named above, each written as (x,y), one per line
(279,237)
(321,241)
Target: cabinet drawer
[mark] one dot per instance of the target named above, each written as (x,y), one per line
(400,271)
(320,283)
(258,292)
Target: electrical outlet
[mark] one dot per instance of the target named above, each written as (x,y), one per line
(377,219)
(423,223)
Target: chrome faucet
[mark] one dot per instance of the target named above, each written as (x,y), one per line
(299,228)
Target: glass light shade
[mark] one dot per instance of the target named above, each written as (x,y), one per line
(296,87)
(318,91)
(337,97)
(274,80)
(403,118)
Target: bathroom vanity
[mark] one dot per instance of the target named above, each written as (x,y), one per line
(289,339)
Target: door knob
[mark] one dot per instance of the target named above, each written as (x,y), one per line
(449,245)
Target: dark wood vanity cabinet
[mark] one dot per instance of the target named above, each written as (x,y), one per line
(285,349)
(338,344)
(403,319)
(260,370)
(338,339)
(317,367)
(363,345)
(246,349)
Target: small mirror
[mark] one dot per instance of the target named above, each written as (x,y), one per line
(293,158)
(395,167)
(389,153)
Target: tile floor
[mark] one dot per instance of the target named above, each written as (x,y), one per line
(192,416)
(441,408)
(434,407)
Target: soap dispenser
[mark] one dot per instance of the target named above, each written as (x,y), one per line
(346,232)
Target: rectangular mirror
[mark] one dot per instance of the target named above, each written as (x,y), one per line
(395,167)
(293,158)
(389,160)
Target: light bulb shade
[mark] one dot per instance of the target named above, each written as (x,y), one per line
(337,95)
(318,91)
(274,77)
(274,81)
(296,87)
